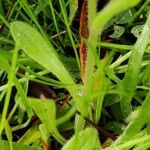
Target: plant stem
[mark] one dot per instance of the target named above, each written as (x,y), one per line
(9,89)
(66,116)
(4,20)
(69,31)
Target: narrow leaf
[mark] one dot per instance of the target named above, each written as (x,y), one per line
(141,117)
(73,8)
(4,65)
(134,66)
(32,135)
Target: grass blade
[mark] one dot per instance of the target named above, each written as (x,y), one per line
(134,66)
(139,120)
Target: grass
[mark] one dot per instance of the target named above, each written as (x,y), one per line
(70,87)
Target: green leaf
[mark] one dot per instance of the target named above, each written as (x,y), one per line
(142,146)
(4,145)
(44,133)
(8,133)
(146,76)
(86,140)
(134,65)
(136,30)
(114,126)
(124,16)
(32,135)
(73,8)
(118,32)
(139,119)
(39,49)
(4,65)
(46,111)
(111,9)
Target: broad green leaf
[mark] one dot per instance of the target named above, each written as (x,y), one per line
(4,145)
(46,111)
(40,50)
(32,42)
(86,140)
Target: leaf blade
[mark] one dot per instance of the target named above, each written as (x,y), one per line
(32,42)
